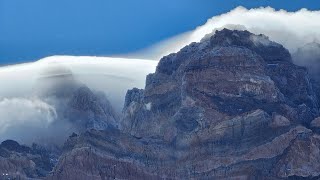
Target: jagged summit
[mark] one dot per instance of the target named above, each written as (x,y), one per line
(270,51)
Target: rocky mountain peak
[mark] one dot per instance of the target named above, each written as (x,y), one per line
(230,74)
(232,106)
(270,51)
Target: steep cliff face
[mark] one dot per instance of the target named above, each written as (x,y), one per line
(232,106)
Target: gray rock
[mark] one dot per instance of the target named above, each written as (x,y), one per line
(279,121)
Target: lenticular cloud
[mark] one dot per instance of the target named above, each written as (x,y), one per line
(291,29)
(27,117)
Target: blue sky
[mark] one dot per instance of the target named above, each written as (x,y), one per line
(32,29)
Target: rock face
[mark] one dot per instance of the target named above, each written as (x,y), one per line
(233,106)
(232,73)
(115,155)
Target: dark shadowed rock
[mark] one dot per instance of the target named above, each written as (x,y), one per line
(15,146)
(22,162)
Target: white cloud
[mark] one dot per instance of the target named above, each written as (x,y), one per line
(19,115)
(114,76)
(291,29)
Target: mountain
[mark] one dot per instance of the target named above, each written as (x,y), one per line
(234,72)
(233,106)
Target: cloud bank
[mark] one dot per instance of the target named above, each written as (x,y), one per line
(20,116)
(24,115)
(291,29)
(19,110)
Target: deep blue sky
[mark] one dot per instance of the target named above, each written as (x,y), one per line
(31,29)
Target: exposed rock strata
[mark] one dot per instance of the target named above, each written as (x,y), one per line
(216,80)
